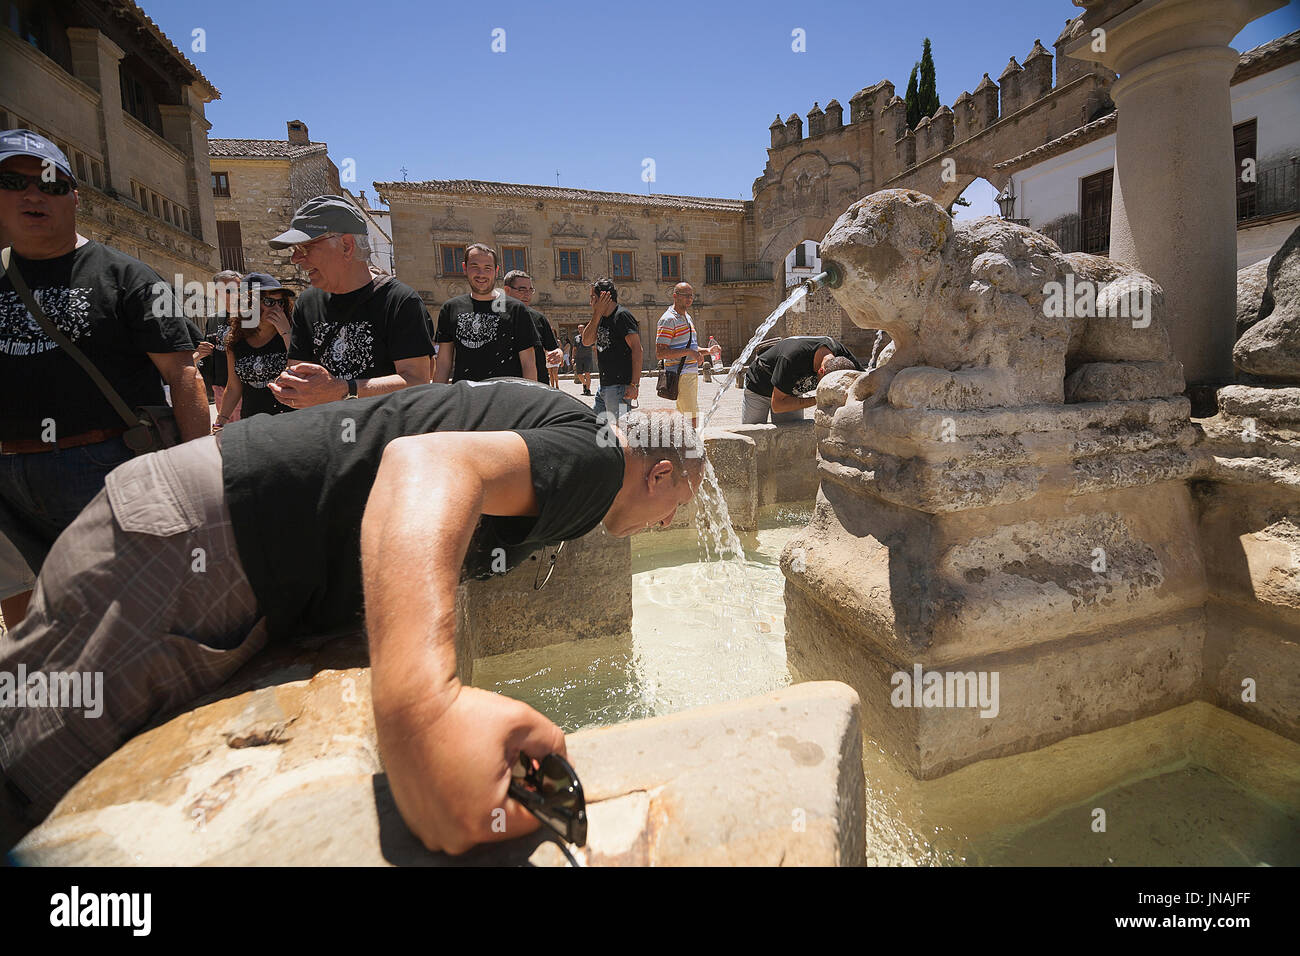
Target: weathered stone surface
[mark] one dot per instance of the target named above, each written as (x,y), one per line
(973,309)
(1254,441)
(1278,405)
(508,613)
(1249,671)
(1251,282)
(735,462)
(716,785)
(786,458)
(1270,347)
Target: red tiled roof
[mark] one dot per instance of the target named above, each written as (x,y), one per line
(262,149)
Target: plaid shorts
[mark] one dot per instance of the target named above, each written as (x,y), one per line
(143,592)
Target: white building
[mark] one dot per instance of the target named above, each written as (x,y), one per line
(1063,188)
(379,230)
(802,263)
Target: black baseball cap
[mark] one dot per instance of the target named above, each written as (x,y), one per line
(265,283)
(24,142)
(319,215)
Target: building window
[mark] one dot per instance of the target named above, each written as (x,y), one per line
(570,264)
(1094,213)
(1243,148)
(670,265)
(157,206)
(800,256)
(81,166)
(29,24)
(231,245)
(221,184)
(97,174)
(620,265)
(514,257)
(185,218)
(138,100)
(453,260)
(713,268)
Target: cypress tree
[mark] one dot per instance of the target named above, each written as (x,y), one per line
(926,93)
(911,101)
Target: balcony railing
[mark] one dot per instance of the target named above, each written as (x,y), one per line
(739,272)
(1276,190)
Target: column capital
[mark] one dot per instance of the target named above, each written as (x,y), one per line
(1134,33)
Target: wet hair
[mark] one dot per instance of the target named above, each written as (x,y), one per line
(605,284)
(663,435)
(479,247)
(513,276)
(837,363)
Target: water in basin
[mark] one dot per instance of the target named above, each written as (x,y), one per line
(1174,787)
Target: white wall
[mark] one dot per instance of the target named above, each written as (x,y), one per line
(1050,189)
(814,264)
(1273,101)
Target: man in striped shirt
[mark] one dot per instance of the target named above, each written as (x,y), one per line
(675,340)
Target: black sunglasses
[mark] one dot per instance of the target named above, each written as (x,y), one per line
(18,182)
(552,794)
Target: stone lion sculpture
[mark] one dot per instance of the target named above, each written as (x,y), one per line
(988,313)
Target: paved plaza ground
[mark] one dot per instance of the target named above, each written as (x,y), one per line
(728,412)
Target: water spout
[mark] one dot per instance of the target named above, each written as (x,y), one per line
(829,279)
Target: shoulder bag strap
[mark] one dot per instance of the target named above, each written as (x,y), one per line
(11,270)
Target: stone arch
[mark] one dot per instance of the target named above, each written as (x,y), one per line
(983,196)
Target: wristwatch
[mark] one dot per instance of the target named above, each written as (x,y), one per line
(352,388)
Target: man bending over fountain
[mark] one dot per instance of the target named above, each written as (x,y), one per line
(780,379)
(191,558)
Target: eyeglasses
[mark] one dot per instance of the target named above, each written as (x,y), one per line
(551,792)
(19,182)
(280,300)
(300,248)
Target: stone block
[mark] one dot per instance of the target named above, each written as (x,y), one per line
(735,462)
(1252,666)
(588,595)
(773,780)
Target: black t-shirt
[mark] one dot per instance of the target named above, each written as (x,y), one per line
(217,327)
(104,302)
(789,365)
(489,335)
(257,368)
(297,488)
(362,333)
(545,342)
(613,354)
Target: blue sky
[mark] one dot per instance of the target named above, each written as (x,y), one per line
(590,90)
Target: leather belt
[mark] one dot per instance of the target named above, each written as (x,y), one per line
(31,446)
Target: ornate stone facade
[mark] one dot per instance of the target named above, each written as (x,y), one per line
(142,174)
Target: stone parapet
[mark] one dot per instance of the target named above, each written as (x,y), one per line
(290,775)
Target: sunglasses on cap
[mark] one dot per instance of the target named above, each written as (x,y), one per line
(19,182)
(551,792)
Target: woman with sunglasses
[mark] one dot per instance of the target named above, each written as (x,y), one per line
(255,356)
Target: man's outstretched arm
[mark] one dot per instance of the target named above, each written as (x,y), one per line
(447,749)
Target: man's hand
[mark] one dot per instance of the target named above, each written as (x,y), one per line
(633,391)
(203,351)
(555,356)
(602,306)
(704,355)
(449,767)
(303,384)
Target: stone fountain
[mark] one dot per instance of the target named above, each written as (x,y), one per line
(1004,504)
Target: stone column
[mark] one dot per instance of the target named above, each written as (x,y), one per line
(186,128)
(95,60)
(1173,214)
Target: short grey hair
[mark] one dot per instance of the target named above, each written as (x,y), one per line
(362,245)
(513,275)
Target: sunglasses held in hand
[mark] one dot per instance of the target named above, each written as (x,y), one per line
(18,182)
(552,793)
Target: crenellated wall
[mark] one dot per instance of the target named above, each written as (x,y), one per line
(809,179)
